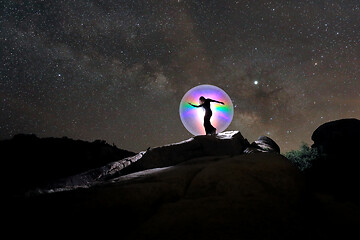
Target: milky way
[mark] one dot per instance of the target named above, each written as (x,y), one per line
(117,70)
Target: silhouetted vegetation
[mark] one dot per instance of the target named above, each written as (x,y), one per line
(304,157)
(28,161)
(331,164)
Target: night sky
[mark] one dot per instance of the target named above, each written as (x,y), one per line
(117,70)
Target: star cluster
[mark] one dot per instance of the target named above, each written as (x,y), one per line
(117,70)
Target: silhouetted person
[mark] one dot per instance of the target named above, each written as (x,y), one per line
(205,103)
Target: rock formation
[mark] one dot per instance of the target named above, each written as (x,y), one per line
(207,187)
(337,170)
(203,188)
(228,143)
(263,144)
(337,137)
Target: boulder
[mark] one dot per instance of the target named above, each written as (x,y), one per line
(263,144)
(336,171)
(337,137)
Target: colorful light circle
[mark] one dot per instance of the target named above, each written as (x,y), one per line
(193,117)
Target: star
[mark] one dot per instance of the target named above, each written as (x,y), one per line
(118,70)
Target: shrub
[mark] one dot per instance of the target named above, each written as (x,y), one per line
(303,157)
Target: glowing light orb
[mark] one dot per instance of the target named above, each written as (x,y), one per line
(193,117)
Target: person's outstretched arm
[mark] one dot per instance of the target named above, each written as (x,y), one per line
(211,100)
(195,105)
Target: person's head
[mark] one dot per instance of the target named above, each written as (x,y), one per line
(202,99)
